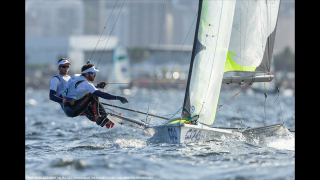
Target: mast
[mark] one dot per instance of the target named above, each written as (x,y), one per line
(186,103)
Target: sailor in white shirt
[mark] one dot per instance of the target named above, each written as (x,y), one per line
(80,96)
(58,81)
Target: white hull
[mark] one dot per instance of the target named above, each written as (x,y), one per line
(187,133)
(175,133)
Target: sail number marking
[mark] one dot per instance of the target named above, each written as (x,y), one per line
(192,135)
(173,136)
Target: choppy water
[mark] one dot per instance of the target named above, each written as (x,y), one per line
(58,147)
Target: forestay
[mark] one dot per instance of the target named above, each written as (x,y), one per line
(252,37)
(211,42)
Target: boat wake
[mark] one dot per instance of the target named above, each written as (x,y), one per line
(130,143)
(281,143)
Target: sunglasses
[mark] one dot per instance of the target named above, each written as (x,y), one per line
(93,73)
(64,66)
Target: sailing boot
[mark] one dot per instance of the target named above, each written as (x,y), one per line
(102,121)
(109,124)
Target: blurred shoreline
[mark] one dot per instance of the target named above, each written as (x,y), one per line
(39,79)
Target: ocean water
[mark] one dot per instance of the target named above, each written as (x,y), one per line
(59,147)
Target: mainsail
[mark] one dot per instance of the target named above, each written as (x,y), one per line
(252,37)
(211,42)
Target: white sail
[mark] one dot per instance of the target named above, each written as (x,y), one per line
(208,59)
(121,72)
(252,37)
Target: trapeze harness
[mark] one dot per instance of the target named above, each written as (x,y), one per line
(56,90)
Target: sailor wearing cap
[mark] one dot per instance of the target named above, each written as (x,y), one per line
(80,97)
(58,82)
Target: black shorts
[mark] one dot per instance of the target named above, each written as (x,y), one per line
(80,105)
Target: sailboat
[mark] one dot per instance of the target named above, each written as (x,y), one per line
(230,36)
(121,72)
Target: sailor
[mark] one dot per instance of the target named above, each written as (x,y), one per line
(81,97)
(58,82)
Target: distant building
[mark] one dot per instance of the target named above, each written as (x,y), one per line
(54,18)
(77,48)
(83,48)
(115,19)
(45,50)
(142,23)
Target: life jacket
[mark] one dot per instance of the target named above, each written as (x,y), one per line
(70,92)
(63,81)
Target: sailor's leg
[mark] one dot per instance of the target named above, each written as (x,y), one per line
(68,110)
(106,122)
(103,120)
(89,113)
(82,104)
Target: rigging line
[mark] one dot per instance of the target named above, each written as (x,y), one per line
(275,78)
(223,117)
(103,30)
(274,68)
(178,56)
(234,95)
(159,38)
(146,83)
(176,113)
(111,32)
(241,62)
(279,104)
(264,84)
(243,114)
(265,110)
(237,103)
(110,110)
(136,111)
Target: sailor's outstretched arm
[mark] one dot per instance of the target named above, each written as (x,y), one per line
(108,96)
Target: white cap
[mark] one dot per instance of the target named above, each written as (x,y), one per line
(63,62)
(91,69)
